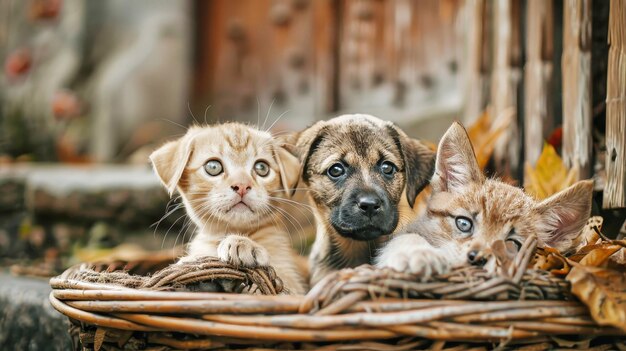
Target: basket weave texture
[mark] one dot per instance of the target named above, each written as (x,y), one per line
(188,306)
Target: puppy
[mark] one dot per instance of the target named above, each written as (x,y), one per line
(363,176)
(231,178)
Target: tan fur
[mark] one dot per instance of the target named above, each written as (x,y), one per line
(498,211)
(361,142)
(242,230)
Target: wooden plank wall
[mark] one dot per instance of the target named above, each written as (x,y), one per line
(260,53)
(576,68)
(615,190)
(505,80)
(538,112)
(396,53)
(316,58)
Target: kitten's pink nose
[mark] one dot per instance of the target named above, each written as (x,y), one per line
(241,189)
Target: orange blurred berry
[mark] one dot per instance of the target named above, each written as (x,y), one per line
(17,63)
(65,105)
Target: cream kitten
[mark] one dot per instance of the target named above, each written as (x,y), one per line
(467,213)
(230,177)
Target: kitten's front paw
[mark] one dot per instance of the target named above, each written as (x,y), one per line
(419,261)
(242,251)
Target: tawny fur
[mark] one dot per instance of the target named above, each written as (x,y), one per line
(240,229)
(497,210)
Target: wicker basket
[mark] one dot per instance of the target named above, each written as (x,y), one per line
(111,308)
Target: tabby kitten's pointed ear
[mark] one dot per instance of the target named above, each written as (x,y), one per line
(169,161)
(456,165)
(564,214)
(289,166)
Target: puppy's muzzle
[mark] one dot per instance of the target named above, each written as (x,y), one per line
(365,215)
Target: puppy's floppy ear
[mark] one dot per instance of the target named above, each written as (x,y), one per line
(565,213)
(456,164)
(303,144)
(169,161)
(289,167)
(419,161)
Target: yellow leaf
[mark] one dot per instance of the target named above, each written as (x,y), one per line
(549,176)
(603,291)
(484,136)
(599,255)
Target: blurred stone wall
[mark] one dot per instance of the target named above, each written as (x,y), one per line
(87,80)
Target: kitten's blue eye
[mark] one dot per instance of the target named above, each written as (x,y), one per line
(464,224)
(336,170)
(261,168)
(213,168)
(388,168)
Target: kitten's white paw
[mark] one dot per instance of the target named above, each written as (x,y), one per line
(242,251)
(419,261)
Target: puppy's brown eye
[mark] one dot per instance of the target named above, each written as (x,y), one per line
(261,168)
(213,168)
(336,170)
(388,168)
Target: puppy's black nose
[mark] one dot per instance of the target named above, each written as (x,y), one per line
(369,204)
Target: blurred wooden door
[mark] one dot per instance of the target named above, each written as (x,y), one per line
(308,59)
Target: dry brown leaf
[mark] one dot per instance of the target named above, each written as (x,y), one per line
(591,233)
(549,175)
(98,339)
(484,137)
(603,291)
(599,255)
(550,259)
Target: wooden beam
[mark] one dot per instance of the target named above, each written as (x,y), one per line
(538,118)
(505,79)
(476,93)
(576,68)
(615,190)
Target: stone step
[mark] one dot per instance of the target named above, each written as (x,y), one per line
(126,195)
(27,320)
(49,211)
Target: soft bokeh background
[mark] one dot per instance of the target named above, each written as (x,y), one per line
(89,88)
(95,81)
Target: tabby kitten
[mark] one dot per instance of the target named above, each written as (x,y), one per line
(231,177)
(467,213)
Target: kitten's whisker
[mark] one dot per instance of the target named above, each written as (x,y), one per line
(288,217)
(178,124)
(268,114)
(258,112)
(277,119)
(170,228)
(205,111)
(194,117)
(292,202)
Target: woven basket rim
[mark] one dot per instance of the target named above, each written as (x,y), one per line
(350,305)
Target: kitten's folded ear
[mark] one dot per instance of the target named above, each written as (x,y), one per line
(419,162)
(456,165)
(564,214)
(289,167)
(169,161)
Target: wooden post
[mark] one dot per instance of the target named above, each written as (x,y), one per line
(615,190)
(505,82)
(538,117)
(576,68)
(476,83)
